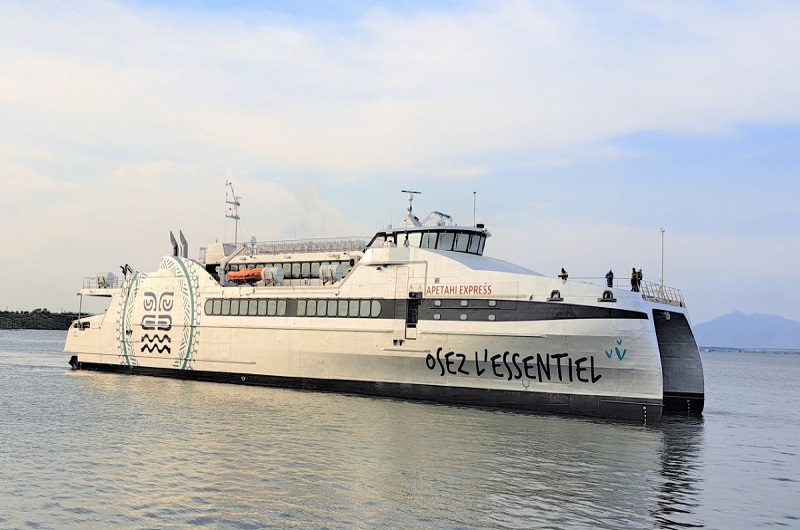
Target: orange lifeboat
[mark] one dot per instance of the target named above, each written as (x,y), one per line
(246,275)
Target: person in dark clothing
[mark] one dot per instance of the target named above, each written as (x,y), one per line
(563,275)
(610,278)
(639,280)
(634,280)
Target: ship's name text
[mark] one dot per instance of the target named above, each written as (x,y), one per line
(484,289)
(557,367)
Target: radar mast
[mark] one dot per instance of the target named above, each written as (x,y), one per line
(233,210)
(411,219)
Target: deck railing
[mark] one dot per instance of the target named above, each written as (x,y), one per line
(316,244)
(653,292)
(101,282)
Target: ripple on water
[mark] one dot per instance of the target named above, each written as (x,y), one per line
(90,450)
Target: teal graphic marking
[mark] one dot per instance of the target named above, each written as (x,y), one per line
(616,350)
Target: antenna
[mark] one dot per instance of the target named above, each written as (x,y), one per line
(411,219)
(411,197)
(662,261)
(474,198)
(233,211)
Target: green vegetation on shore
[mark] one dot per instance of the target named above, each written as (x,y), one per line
(36,319)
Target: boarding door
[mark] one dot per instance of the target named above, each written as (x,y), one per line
(412,314)
(400,305)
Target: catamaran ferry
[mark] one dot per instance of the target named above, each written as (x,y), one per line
(417,312)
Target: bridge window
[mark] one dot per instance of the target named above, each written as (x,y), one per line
(378,241)
(462,241)
(311,310)
(353,310)
(301,308)
(414,239)
(428,240)
(474,243)
(376,309)
(445,241)
(262,307)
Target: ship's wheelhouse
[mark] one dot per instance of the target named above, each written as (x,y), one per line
(453,239)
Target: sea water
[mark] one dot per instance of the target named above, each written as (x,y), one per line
(96,450)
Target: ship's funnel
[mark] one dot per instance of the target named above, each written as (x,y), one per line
(174,243)
(184,245)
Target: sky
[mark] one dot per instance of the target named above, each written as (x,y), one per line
(575,131)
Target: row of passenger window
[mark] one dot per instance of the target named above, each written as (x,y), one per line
(305,308)
(295,270)
(339,308)
(252,307)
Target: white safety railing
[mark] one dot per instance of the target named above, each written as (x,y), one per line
(101,282)
(653,292)
(319,244)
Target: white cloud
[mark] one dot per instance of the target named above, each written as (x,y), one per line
(119,122)
(394,92)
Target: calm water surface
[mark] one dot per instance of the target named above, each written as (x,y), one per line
(94,450)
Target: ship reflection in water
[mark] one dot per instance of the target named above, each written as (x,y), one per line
(678,497)
(360,462)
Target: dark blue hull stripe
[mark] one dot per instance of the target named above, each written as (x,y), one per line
(476,309)
(683,403)
(638,410)
(519,311)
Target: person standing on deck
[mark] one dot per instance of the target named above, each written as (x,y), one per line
(634,280)
(610,278)
(563,275)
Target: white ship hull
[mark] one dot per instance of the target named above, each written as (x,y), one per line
(408,323)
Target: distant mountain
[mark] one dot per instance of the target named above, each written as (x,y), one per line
(737,330)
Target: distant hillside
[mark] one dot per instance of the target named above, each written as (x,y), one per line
(36,319)
(737,330)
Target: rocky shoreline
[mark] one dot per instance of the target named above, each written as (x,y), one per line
(36,319)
